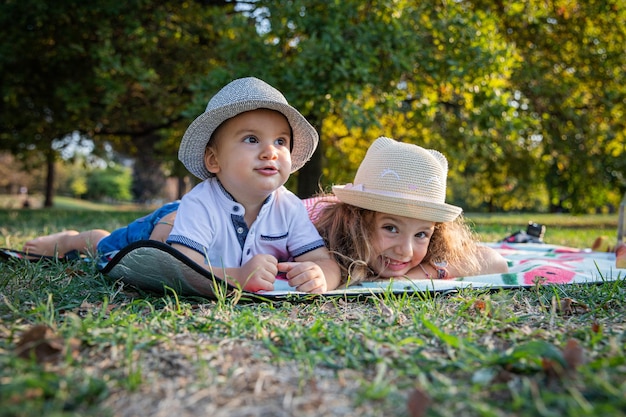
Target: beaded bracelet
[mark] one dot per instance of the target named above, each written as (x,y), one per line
(440,267)
(425,272)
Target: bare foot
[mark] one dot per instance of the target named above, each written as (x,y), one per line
(55,244)
(602,244)
(620,255)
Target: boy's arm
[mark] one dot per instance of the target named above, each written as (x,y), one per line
(259,273)
(163,228)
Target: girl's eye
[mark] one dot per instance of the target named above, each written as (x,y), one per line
(390,228)
(421,235)
(250,139)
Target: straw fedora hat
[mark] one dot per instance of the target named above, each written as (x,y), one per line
(402,179)
(237,97)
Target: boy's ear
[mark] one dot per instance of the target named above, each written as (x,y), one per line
(210,161)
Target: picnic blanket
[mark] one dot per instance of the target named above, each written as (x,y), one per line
(157,267)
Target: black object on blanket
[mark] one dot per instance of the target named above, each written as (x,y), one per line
(534,234)
(155,266)
(8,254)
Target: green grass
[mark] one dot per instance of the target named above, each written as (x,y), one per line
(9,201)
(562,229)
(474,353)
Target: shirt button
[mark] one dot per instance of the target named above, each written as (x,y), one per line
(240,230)
(248,252)
(235,208)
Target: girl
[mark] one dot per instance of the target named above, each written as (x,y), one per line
(393,222)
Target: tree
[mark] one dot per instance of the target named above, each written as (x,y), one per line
(324,56)
(494,85)
(432,75)
(116,71)
(112,182)
(42,96)
(12,175)
(573,79)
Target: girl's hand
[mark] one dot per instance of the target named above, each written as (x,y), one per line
(304,276)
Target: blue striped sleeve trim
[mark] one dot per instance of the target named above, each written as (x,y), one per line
(308,248)
(182,240)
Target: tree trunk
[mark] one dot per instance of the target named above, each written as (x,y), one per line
(182,188)
(310,174)
(148,177)
(50,158)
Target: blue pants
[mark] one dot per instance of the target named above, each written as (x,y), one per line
(139,229)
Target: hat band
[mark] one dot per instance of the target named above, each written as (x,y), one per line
(403,196)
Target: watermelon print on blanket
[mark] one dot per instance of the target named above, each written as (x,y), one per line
(532,264)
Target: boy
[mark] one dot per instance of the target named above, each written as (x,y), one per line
(241,222)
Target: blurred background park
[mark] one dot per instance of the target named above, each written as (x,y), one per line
(527,99)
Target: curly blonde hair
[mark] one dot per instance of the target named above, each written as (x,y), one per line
(349,230)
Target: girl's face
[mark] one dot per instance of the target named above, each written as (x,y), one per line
(400,244)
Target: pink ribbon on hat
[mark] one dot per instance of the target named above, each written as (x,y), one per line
(405,196)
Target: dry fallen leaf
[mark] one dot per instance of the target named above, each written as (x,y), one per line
(40,342)
(566,306)
(553,369)
(387,313)
(418,402)
(570,306)
(479,305)
(573,357)
(573,354)
(596,327)
(73,272)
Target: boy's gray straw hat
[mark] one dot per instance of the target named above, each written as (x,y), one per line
(402,179)
(237,97)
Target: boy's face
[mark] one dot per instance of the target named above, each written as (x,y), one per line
(400,243)
(249,154)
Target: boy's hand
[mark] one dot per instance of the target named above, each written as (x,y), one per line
(304,276)
(259,273)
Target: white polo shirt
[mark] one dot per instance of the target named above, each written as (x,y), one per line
(211,222)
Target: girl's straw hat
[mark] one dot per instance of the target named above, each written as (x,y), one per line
(402,179)
(237,97)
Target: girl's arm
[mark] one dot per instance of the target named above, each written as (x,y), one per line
(489,262)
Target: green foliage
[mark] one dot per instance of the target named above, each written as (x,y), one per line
(525,98)
(79,186)
(112,183)
(450,76)
(572,81)
(118,72)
